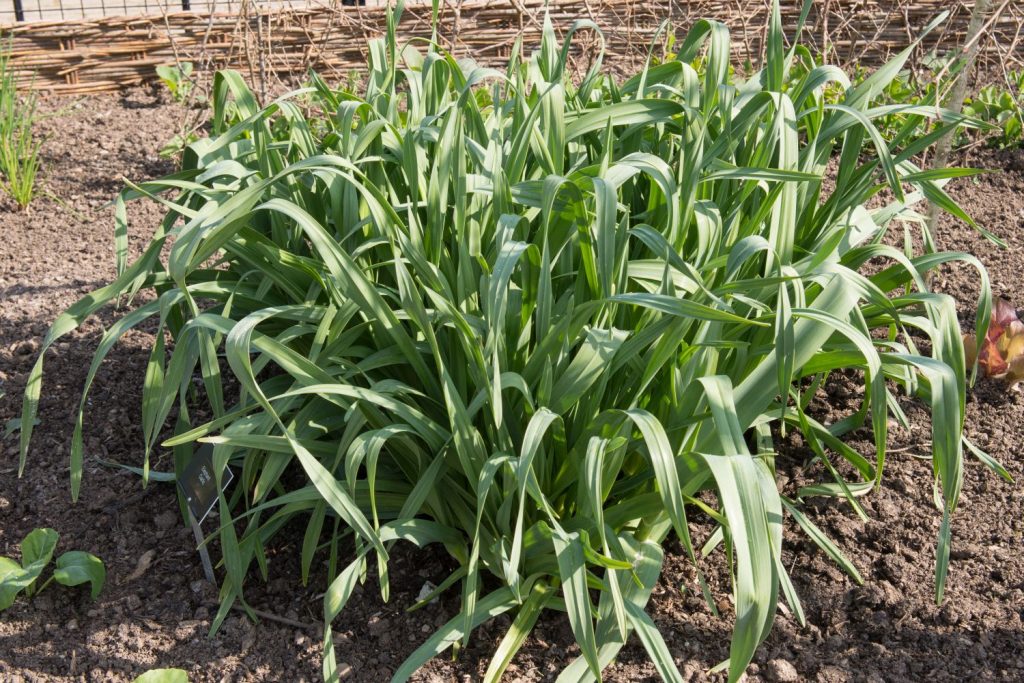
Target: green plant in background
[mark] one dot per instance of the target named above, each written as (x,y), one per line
(902,91)
(177,78)
(891,120)
(997,106)
(19,149)
(179,81)
(73,568)
(699,63)
(176,146)
(540,324)
(19,156)
(1002,107)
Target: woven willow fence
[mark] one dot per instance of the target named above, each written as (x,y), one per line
(93,55)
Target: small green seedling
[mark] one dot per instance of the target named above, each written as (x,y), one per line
(178,79)
(73,568)
(1003,107)
(176,145)
(12,425)
(179,82)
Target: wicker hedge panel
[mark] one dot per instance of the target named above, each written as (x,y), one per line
(93,55)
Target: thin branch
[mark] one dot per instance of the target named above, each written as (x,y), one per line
(309,626)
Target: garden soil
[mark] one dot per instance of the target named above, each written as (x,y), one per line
(156,608)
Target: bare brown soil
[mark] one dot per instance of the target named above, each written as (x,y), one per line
(158,613)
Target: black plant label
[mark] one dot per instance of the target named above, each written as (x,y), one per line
(198,484)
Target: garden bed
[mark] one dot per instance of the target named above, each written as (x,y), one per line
(156,608)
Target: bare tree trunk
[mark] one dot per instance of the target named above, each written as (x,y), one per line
(955,101)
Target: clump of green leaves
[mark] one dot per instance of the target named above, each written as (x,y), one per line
(996,110)
(1002,106)
(19,148)
(540,322)
(897,103)
(177,78)
(73,568)
(174,147)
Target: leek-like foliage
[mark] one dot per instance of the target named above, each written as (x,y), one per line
(535,319)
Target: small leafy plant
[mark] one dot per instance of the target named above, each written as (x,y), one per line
(1001,106)
(73,568)
(178,80)
(177,145)
(996,110)
(19,148)
(181,84)
(896,104)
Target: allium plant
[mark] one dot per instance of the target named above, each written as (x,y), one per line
(539,320)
